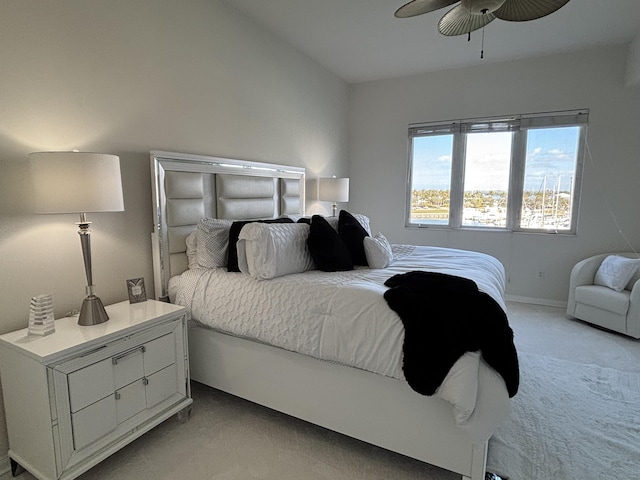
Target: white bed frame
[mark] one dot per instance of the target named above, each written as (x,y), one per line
(379,410)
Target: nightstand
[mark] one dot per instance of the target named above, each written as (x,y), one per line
(76,396)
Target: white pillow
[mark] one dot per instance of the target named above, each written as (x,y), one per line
(362,220)
(460,386)
(270,250)
(378,251)
(616,271)
(212,242)
(192,249)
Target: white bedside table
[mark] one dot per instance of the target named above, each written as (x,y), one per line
(76,396)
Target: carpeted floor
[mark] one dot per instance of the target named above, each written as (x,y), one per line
(577,414)
(231,439)
(570,421)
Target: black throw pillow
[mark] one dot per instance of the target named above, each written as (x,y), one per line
(234,232)
(353,234)
(327,249)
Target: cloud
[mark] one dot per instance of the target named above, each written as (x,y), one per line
(557,153)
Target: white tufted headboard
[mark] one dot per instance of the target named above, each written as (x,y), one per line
(186,188)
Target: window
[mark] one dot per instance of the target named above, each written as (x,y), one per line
(518,173)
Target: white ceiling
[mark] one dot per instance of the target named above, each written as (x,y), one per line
(361,40)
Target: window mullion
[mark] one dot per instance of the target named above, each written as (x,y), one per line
(516,179)
(409,185)
(456,198)
(577,180)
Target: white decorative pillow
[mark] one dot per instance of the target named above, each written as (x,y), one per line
(192,251)
(362,220)
(378,251)
(616,271)
(460,386)
(270,250)
(212,242)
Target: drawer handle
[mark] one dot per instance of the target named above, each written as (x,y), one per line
(117,394)
(141,348)
(145,381)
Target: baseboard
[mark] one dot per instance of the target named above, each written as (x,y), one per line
(547,302)
(5,467)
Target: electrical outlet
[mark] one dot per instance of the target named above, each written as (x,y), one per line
(540,274)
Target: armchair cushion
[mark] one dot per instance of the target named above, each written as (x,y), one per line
(616,271)
(604,298)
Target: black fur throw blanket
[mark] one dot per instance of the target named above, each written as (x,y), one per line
(445,316)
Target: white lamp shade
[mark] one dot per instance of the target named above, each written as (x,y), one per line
(76,182)
(333,189)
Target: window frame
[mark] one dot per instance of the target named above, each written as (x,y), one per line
(519,125)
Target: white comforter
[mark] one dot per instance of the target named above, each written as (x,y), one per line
(341,317)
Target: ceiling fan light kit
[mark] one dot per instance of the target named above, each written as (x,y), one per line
(481,7)
(472,15)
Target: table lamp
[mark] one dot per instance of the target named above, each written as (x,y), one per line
(333,190)
(79,182)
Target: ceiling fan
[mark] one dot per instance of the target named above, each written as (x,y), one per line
(471,15)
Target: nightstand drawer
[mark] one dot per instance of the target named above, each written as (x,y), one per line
(96,381)
(159,353)
(161,385)
(128,366)
(90,384)
(130,400)
(94,421)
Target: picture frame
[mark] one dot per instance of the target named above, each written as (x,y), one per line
(137,292)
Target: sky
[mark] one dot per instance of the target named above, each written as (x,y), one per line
(550,152)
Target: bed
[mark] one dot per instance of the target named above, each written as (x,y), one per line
(318,375)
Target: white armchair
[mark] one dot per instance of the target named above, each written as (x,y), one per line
(603,306)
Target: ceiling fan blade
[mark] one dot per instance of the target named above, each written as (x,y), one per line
(524,10)
(418,7)
(458,21)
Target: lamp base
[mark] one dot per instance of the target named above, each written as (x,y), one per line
(92,312)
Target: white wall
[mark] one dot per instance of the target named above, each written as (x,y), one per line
(125,77)
(381,111)
(632,76)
